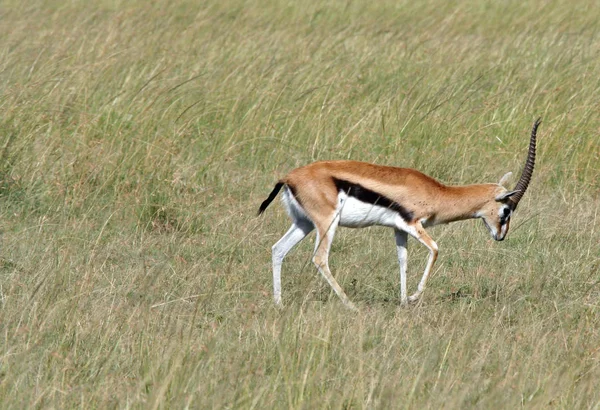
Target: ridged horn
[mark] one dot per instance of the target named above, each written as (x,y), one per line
(523,183)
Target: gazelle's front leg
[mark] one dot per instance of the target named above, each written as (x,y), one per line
(419,233)
(401,247)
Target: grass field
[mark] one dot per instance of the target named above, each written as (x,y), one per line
(137,140)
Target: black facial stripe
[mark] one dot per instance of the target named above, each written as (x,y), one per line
(366,195)
(505,216)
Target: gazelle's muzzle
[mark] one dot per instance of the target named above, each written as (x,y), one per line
(497,234)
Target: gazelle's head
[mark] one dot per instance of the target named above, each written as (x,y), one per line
(496,213)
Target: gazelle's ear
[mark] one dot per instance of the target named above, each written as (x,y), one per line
(506,195)
(505,179)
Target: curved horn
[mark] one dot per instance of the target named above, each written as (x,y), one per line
(523,183)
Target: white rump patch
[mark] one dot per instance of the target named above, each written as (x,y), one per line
(294,209)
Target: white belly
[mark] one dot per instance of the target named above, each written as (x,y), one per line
(357,214)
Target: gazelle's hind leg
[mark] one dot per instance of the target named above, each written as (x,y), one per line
(325,234)
(297,232)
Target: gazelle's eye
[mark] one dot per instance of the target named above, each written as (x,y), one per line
(506,212)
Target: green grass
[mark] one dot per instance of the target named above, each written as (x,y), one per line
(137,141)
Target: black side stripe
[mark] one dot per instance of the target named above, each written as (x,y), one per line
(371,197)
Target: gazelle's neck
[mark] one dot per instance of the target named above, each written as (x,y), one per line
(458,203)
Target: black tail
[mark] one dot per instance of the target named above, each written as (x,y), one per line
(271,197)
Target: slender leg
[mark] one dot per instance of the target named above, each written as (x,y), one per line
(325,233)
(419,233)
(293,236)
(401,247)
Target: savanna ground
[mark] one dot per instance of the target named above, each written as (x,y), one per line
(137,140)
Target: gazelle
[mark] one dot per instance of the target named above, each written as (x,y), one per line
(328,194)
